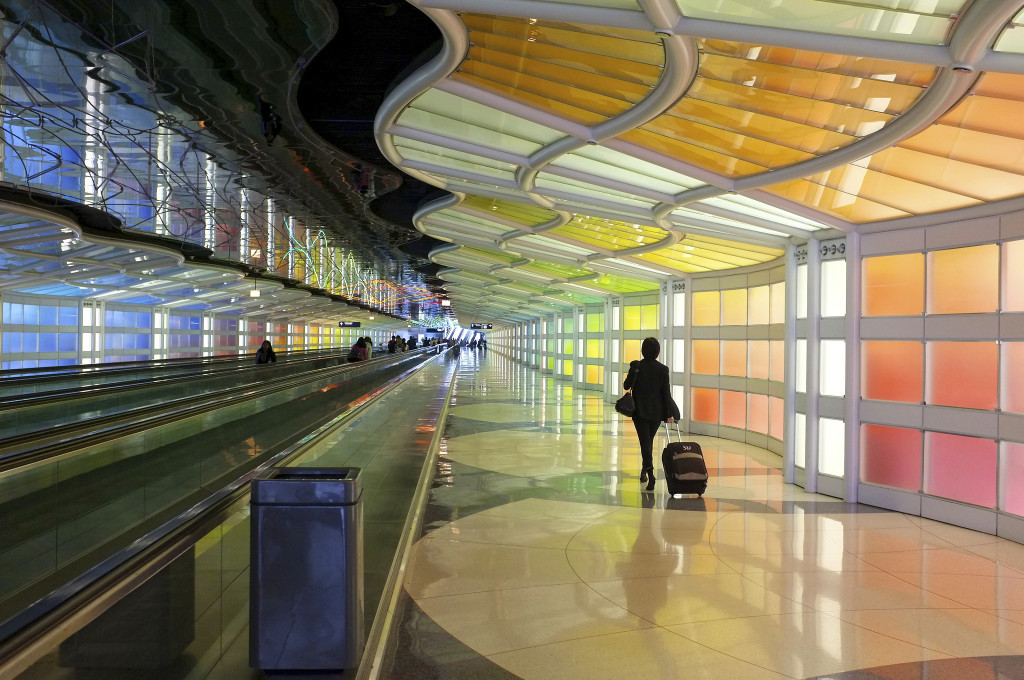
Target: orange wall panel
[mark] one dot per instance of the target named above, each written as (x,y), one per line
(758,359)
(631,350)
(757,413)
(892,370)
(894,285)
(705,357)
(758,305)
(707,309)
(962,374)
(704,404)
(734,409)
(734,307)
(963,280)
(734,358)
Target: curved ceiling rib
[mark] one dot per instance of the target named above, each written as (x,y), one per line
(681,137)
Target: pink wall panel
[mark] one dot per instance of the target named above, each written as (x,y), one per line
(891,456)
(759,358)
(778,360)
(704,403)
(1011,475)
(1013,377)
(892,370)
(960,468)
(1013,276)
(734,409)
(962,374)
(776,417)
(757,413)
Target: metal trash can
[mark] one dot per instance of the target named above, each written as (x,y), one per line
(306,569)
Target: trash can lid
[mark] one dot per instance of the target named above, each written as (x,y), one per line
(306,486)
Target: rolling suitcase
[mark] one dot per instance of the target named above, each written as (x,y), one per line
(685,471)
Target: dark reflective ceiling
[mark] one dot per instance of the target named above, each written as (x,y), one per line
(324,67)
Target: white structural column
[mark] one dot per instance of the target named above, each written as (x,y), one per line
(853,354)
(789,424)
(813,363)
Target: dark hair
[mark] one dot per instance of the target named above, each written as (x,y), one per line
(650,348)
(361,342)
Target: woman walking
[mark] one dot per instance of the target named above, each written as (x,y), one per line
(652,394)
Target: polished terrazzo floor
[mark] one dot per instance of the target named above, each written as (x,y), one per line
(542,558)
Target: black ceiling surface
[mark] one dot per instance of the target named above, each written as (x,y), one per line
(379,43)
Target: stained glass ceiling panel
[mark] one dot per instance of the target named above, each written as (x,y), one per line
(548,183)
(619,167)
(917,21)
(459,118)
(524,213)
(543,244)
(447,157)
(1012,39)
(455,216)
(621,284)
(561,271)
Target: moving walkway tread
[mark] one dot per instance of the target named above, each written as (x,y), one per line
(25,381)
(392,433)
(23,416)
(59,529)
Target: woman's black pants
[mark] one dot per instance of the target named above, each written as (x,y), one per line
(646,430)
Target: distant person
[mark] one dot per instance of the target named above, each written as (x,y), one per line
(402,346)
(412,342)
(265,354)
(358,351)
(369,347)
(652,394)
(393,344)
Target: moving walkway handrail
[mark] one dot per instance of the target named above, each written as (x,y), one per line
(26,637)
(105,428)
(92,391)
(53,373)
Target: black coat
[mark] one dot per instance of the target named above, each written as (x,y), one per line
(651,391)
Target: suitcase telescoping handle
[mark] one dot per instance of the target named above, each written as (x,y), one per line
(679,436)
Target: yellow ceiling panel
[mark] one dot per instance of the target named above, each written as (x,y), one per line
(856,91)
(634,46)
(609,234)
(700,157)
(832,202)
(705,253)
(760,152)
(952,176)
(529,215)
(562,271)
(807,138)
(609,85)
(970,146)
(996,106)
(822,114)
(574,103)
(881,69)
